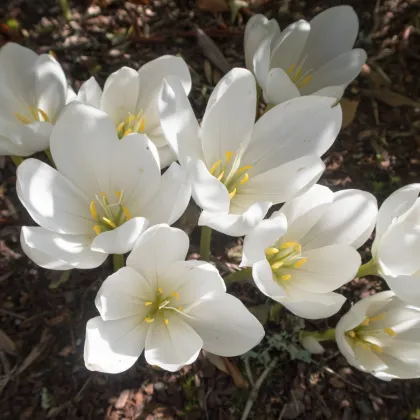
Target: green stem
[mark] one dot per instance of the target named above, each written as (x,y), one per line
(205,243)
(319,336)
(17,160)
(118,261)
(368,269)
(244,274)
(56,283)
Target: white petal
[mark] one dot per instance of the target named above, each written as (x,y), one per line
(156,250)
(265,281)
(398,203)
(331,91)
(407,288)
(71,95)
(283,182)
(301,126)
(235,224)
(266,233)
(114,346)
(258,28)
(209,193)
(261,63)
(90,93)
(173,345)
(120,94)
(191,280)
(226,326)
(172,198)
(303,212)
(35,137)
(349,220)
(312,345)
(178,121)
(229,118)
(340,71)
(279,88)
(123,294)
(51,200)
(333,32)
(326,269)
(367,360)
(166,154)
(54,250)
(121,239)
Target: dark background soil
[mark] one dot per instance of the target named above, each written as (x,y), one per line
(42,373)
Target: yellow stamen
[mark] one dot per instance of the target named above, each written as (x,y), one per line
(148,319)
(120,126)
(97,229)
(166,321)
(142,125)
(375,348)
(160,291)
(221,175)
(232,194)
(271,251)
(291,69)
(118,194)
(109,222)
(44,115)
(243,169)
(390,332)
(286,277)
(377,318)
(292,244)
(304,81)
(229,156)
(34,113)
(300,262)
(215,166)
(127,132)
(297,75)
(22,119)
(148,303)
(277,265)
(93,211)
(365,323)
(103,194)
(175,295)
(352,334)
(127,213)
(244,179)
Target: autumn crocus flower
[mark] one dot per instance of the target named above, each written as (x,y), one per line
(306,58)
(33,91)
(167,307)
(102,196)
(379,335)
(130,99)
(237,167)
(308,249)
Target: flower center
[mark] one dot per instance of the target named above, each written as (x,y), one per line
(34,115)
(161,305)
(296,76)
(108,216)
(367,334)
(284,257)
(132,124)
(229,172)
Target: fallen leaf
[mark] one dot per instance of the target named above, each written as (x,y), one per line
(393,98)
(6,343)
(349,108)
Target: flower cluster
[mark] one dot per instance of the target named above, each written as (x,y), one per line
(125,160)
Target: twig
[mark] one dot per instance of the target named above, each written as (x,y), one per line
(249,372)
(332,372)
(256,388)
(282,412)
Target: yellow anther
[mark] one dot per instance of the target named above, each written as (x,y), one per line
(141,125)
(365,323)
(277,265)
(148,303)
(34,113)
(297,75)
(221,175)
(304,81)
(149,319)
(286,277)
(103,194)
(120,126)
(109,222)
(179,308)
(232,194)
(118,194)
(291,69)
(22,119)
(126,213)
(352,334)
(160,291)
(390,332)
(292,244)
(97,229)
(166,321)
(244,179)
(175,295)
(93,211)
(215,166)
(300,262)
(271,251)
(229,156)
(375,347)
(127,132)
(377,318)
(44,115)
(243,169)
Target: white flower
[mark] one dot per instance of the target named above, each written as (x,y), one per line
(307,58)
(238,168)
(396,248)
(380,335)
(33,91)
(130,99)
(308,249)
(312,345)
(103,195)
(168,307)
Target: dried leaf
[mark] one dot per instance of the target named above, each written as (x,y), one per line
(6,343)
(349,108)
(393,98)
(213,5)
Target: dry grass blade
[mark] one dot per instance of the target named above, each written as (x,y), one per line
(393,98)
(349,108)
(35,352)
(6,343)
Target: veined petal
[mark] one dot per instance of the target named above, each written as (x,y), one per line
(90,93)
(114,346)
(57,251)
(279,88)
